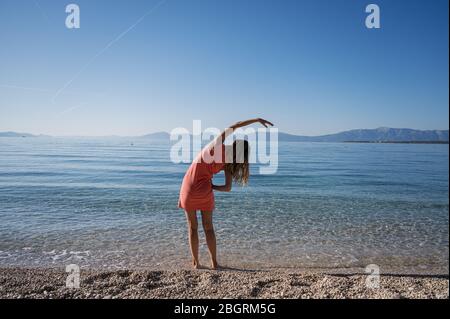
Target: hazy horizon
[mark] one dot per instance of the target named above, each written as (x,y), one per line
(157,132)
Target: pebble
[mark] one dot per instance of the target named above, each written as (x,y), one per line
(226,284)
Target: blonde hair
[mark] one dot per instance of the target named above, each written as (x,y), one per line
(240,168)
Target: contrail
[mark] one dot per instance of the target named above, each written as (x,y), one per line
(42,90)
(70,109)
(7,86)
(120,36)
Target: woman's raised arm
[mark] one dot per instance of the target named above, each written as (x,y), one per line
(221,138)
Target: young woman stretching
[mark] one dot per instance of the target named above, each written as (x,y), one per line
(197,189)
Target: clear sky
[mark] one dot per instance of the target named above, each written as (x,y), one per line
(310,66)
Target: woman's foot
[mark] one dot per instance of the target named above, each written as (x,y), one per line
(214,265)
(196,264)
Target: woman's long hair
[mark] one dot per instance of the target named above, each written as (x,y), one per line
(240,168)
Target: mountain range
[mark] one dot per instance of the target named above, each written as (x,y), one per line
(16,134)
(382,134)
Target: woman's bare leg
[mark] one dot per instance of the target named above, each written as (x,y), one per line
(193,236)
(210,237)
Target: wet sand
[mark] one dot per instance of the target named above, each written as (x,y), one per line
(193,284)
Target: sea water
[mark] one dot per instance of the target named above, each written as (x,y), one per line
(112,203)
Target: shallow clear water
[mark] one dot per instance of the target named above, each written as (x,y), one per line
(112,203)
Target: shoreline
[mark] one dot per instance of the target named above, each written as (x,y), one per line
(50,283)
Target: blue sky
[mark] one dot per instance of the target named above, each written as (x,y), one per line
(312,67)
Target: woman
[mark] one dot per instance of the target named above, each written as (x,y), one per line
(197,189)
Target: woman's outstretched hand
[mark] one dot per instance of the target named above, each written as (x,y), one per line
(264,122)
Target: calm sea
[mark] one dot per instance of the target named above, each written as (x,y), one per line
(112,203)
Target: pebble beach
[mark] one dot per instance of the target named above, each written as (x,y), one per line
(18,283)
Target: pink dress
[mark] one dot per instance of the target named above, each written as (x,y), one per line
(196,191)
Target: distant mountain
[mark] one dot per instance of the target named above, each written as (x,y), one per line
(157,136)
(15,134)
(382,134)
